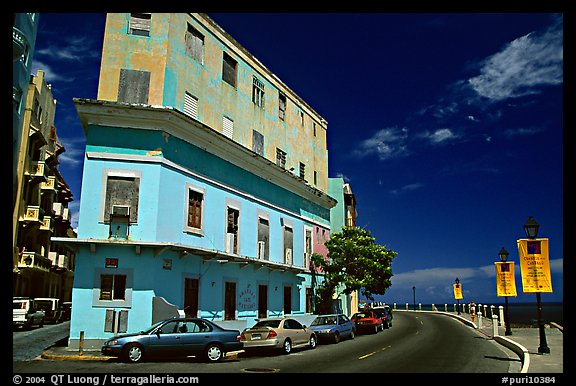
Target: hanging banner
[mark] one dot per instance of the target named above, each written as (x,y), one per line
(534,265)
(505,280)
(457,291)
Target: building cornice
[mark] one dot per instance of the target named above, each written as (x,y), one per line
(174,122)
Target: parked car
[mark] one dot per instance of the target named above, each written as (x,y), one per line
(66,311)
(175,337)
(385,314)
(333,327)
(277,333)
(367,321)
(25,313)
(51,307)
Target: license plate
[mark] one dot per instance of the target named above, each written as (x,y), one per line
(256,336)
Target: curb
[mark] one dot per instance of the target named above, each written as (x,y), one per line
(60,357)
(520,350)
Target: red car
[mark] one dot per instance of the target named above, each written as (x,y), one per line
(367,321)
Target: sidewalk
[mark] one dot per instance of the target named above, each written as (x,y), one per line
(525,341)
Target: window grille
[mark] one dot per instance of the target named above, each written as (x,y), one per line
(190,105)
(257,92)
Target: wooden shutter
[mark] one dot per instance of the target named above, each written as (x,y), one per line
(228,127)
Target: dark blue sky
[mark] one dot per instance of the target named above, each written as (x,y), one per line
(448,127)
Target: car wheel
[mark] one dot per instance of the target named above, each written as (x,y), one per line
(336,337)
(214,353)
(287,346)
(312,341)
(133,353)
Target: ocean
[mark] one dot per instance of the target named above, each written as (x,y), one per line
(520,313)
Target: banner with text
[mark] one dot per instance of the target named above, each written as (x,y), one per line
(505,280)
(534,265)
(457,291)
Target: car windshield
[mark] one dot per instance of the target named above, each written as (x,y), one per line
(362,315)
(323,320)
(149,329)
(44,304)
(267,323)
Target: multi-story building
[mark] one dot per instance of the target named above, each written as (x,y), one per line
(343,214)
(204,186)
(41,269)
(24,28)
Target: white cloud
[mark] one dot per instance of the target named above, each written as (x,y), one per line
(385,143)
(74,150)
(525,64)
(441,135)
(407,188)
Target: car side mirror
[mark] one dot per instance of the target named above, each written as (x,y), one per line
(303,326)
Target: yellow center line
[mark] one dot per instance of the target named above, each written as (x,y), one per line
(367,355)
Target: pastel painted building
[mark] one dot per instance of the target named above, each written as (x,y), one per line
(205,185)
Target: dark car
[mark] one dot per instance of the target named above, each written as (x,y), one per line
(385,314)
(333,327)
(177,337)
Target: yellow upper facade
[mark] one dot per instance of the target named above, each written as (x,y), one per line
(188,62)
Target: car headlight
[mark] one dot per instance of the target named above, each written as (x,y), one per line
(111,343)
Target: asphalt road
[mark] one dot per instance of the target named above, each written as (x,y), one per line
(417,343)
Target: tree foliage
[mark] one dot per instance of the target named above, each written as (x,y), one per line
(355,262)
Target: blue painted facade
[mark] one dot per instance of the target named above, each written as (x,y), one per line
(158,252)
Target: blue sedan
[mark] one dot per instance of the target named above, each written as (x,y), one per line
(333,327)
(175,337)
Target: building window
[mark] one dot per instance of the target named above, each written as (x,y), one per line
(190,105)
(112,287)
(301,118)
(133,86)
(233,216)
(258,92)
(228,127)
(262,252)
(288,245)
(314,128)
(281,106)
(194,44)
(121,192)
(229,66)
(258,142)
(315,178)
(302,171)
(139,24)
(281,158)
(195,201)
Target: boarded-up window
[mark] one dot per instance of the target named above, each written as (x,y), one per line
(258,92)
(229,70)
(228,127)
(190,105)
(281,158)
(258,142)
(122,191)
(281,106)
(133,86)
(139,24)
(263,238)
(195,200)
(112,287)
(194,44)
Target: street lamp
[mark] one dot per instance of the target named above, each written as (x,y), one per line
(531,228)
(414,292)
(458,300)
(503,254)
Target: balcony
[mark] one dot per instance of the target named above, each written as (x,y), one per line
(19,43)
(37,172)
(47,224)
(59,262)
(49,185)
(34,260)
(33,213)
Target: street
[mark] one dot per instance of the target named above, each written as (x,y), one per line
(417,343)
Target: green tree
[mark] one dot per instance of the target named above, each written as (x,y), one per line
(355,262)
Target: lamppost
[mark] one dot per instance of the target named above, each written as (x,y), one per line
(531,229)
(503,254)
(414,292)
(457,281)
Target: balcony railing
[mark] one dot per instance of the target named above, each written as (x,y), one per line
(37,172)
(19,43)
(34,260)
(33,213)
(47,224)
